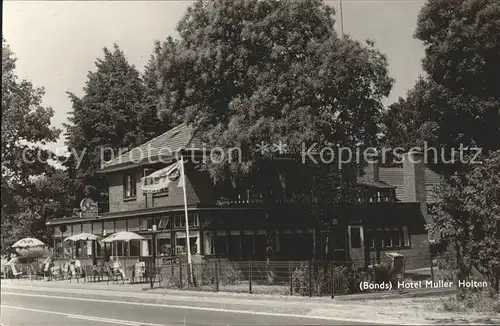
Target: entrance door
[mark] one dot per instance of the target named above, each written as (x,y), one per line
(339,234)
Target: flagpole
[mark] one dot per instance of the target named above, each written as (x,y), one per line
(188,239)
(341,19)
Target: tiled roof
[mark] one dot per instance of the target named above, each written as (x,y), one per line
(165,145)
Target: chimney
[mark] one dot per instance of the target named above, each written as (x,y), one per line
(372,169)
(414,180)
(414,177)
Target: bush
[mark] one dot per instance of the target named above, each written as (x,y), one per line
(206,274)
(344,280)
(481,301)
(229,275)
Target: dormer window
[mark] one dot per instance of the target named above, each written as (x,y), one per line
(129,185)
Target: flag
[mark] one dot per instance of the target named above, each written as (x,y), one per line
(161,179)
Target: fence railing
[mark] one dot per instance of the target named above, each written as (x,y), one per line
(307,278)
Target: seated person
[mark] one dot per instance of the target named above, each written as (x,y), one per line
(117,267)
(13,267)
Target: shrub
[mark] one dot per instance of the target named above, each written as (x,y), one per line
(478,300)
(206,274)
(229,275)
(344,279)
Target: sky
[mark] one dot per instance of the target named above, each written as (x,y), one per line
(57,42)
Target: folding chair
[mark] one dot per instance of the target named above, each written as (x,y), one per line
(113,273)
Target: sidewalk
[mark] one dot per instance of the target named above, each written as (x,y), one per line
(391,311)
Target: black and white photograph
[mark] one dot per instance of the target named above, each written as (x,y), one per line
(250,162)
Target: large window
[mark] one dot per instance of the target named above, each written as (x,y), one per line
(220,243)
(209,240)
(98,249)
(135,248)
(163,244)
(181,243)
(129,185)
(121,248)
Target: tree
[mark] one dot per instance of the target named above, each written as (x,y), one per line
(116,112)
(277,71)
(468,219)
(25,126)
(149,123)
(458,101)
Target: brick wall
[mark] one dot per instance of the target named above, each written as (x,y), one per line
(117,203)
(175,195)
(199,189)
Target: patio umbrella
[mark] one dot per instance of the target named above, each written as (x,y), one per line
(28,243)
(123,236)
(82,236)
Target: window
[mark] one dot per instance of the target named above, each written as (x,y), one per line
(177,221)
(77,229)
(87,227)
(147,246)
(355,237)
(120,225)
(396,237)
(164,223)
(98,249)
(163,245)
(370,237)
(109,227)
(387,237)
(97,227)
(220,243)
(208,238)
(135,248)
(133,225)
(181,243)
(379,238)
(406,236)
(234,243)
(194,220)
(146,224)
(121,248)
(129,185)
(58,245)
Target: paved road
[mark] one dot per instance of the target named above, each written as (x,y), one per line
(21,307)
